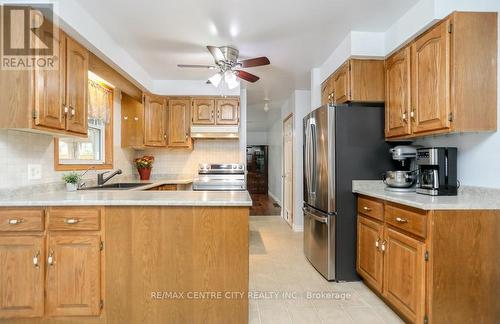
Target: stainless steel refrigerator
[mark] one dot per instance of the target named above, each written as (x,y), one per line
(341,143)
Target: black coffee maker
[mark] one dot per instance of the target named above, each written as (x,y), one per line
(437,171)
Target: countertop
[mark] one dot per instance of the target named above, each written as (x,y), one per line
(468,197)
(131,198)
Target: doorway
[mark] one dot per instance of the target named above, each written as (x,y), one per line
(288,169)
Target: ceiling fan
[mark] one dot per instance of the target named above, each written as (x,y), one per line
(228,66)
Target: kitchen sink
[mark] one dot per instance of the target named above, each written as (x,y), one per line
(117,186)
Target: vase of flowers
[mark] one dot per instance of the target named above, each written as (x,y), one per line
(144,166)
(72,179)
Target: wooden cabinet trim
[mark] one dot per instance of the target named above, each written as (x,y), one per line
(369,255)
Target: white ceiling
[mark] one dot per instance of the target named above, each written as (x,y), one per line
(296,35)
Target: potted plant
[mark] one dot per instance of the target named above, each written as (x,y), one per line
(72,179)
(144,166)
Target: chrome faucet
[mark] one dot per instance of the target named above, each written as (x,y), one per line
(101,180)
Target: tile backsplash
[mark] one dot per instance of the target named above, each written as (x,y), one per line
(181,161)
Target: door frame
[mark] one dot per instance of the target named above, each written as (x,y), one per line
(291,220)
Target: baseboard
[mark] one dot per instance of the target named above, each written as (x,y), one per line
(298,228)
(274,197)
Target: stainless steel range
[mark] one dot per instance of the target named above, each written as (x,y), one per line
(220,177)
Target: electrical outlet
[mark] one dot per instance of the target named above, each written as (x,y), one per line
(34,171)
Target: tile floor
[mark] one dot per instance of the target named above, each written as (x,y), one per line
(282,283)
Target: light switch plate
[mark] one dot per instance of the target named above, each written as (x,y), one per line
(34,171)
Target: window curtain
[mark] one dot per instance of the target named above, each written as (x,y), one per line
(99,103)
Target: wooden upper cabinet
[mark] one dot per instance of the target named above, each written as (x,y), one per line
(228,111)
(179,123)
(341,81)
(132,122)
(22,272)
(325,92)
(404,274)
(49,85)
(369,256)
(453,78)
(203,112)
(77,62)
(155,121)
(431,80)
(398,94)
(73,275)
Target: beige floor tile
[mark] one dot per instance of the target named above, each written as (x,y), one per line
(303,314)
(279,265)
(333,315)
(274,314)
(364,315)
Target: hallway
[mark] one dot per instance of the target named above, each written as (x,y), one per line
(264,205)
(285,288)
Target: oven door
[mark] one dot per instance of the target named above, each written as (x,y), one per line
(319,241)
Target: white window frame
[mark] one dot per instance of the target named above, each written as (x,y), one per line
(101,126)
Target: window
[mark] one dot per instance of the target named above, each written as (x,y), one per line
(73,153)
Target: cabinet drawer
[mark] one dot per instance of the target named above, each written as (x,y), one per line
(371,208)
(410,220)
(19,220)
(74,219)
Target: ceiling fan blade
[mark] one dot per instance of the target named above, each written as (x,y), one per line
(216,53)
(210,67)
(246,76)
(258,61)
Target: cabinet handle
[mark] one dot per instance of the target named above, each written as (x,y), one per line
(165,136)
(125,118)
(404,117)
(382,246)
(412,114)
(35,259)
(72,221)
(73,111)
(136,118)
(367,209)
(15,221)
(377,244)
(50,259)
(66,109)
(401,220)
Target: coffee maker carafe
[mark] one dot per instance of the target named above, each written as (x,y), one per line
(437,171)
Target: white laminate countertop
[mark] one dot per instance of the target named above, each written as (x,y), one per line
(468,197)
(131,198)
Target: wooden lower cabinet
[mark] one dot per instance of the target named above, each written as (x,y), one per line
(73,275)
(369,254)
(431,266)
(404,274)
(21,276)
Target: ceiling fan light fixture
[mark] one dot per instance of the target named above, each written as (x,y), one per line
(216,79)
(266,107)
(231,80)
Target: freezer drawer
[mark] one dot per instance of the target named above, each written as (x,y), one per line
(319,241)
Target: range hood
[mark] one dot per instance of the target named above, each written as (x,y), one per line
(215,132)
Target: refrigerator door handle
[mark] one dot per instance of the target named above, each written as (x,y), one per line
(323,220)
(314,161)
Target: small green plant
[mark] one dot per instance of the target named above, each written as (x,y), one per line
(72,177)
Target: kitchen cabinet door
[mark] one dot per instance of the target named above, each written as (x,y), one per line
(431,80)
(179,123)
(49,85)
(227,111)
(155,121)
(325,92)
(77,62)
(341,84)
(73,275)
(404,274)
(132,122)
(398,94)
(203,112)
(369,255)
(21,276)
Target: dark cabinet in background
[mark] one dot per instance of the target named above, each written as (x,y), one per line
(257,156)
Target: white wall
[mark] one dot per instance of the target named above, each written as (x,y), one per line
(257,138)
(275,166)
